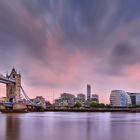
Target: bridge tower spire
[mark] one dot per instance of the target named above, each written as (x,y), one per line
(13,89)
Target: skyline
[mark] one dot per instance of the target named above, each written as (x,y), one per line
(63,45)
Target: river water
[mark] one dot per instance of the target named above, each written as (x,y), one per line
(70,126)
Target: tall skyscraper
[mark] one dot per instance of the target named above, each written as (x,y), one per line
(88,92)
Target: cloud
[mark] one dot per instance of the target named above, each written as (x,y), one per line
(64,67)
(20,29)
(70,42)
(125,54)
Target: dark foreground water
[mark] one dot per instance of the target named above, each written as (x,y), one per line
(70,126)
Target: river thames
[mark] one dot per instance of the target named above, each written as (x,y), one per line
(70,126)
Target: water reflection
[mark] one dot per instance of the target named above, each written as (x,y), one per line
(125,126)
(97,124)
(12,128)
(70,126)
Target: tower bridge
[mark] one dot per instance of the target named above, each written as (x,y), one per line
(6,80)
(14,91)
(13,84)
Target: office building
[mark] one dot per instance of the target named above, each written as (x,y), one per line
(119,98)
(95,98)
(39,100)
(88,92)
(67,96)
(135,98)
(81,97)
(66,99)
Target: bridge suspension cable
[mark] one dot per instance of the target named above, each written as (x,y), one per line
(25,96)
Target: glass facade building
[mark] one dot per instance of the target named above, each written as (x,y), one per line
(119,98)
(135,98)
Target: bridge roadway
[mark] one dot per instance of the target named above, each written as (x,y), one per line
(5,80)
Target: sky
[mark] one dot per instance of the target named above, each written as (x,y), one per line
(63,45)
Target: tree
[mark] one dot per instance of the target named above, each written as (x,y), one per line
(77,105)
(136,106)
(97,105)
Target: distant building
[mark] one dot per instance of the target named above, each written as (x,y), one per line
(81,97)
(48,104)
(66,99)
(135,98)
(69,100)
(2,99)
(88,92)
(40,101)
(119,98)
(58,102)
(67,96)
(95,98)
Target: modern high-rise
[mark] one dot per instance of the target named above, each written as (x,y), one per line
(135,98)
(88,92)
(119,98)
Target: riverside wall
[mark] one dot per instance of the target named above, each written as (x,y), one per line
(94,110)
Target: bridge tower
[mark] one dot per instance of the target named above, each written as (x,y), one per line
(13,89)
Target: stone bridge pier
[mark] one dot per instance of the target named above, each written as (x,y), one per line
(13,88)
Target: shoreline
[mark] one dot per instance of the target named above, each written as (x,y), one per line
(131,110)
(127,110)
